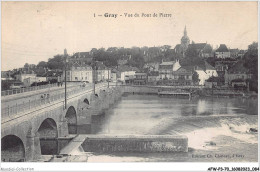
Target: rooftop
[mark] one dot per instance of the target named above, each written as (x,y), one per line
(222,48)
(173,65)
(124,68)
(197,46)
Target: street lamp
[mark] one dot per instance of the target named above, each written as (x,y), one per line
(107,77)
(65,68)
(94,75)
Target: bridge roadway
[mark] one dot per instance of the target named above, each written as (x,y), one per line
(15,103)
(47,89)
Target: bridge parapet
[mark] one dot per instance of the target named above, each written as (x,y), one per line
(9,112)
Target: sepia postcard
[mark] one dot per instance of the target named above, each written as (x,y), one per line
(89,86)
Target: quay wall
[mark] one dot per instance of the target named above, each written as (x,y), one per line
(194,90)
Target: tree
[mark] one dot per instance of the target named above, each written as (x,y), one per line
(42,64)
(93,50)
(57,62)
(251,63)
(135,51)
(211,60)
(137,61)
(171,55)
(100,55)
(195,78)
(111,58)
(165,47)
(251,58)
(26,65)
(112,49)
(191,57)
(5,85)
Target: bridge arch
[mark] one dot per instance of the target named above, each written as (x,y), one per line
(71,117)
(48,135)
(12,149)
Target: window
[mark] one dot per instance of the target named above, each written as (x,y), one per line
(76,78)
(188,77)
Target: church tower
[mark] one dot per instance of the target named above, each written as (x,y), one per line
(185,41)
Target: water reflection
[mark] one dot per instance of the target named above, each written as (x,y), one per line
(138,114)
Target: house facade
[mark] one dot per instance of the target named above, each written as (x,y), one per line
(114,75)
(101,73)
(172,73)
(125,73)
(22,76)
(224,65)
(205,71)
(140,79)
(237,73)
(153,77)
(79,73)
(29,81)
(222,52)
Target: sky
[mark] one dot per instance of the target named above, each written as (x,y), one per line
(36,31)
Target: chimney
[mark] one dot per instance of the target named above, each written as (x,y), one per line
(65,52)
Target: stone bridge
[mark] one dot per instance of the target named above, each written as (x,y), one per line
(33,128)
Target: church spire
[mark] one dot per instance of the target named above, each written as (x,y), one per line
(185,31)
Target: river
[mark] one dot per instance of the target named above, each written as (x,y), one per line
(217,128)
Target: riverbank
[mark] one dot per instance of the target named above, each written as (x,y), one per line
(195,91)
